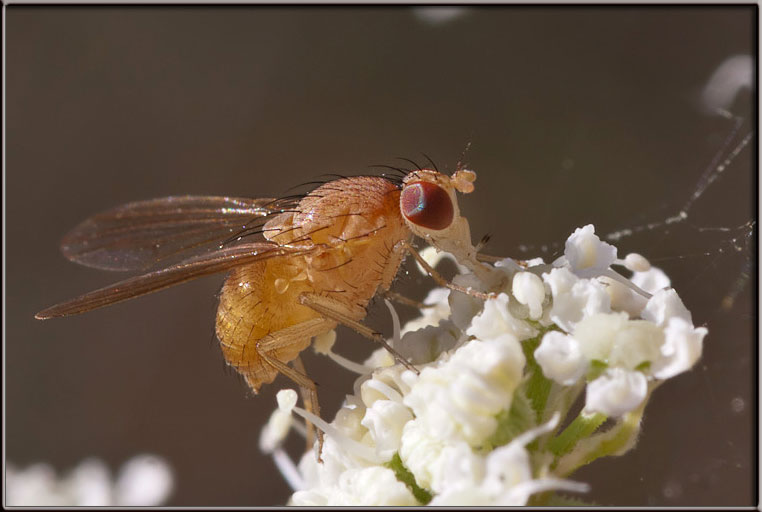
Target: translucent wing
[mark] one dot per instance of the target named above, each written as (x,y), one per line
(192,268)
(144,234)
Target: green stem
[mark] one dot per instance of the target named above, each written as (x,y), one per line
(582,426)
(616,441)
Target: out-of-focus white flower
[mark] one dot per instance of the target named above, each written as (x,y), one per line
(731,76)
(616,392)
(431,316)
(37,485)
(144,480)
(91,486)
(438,15)
(560,358)
(425,345)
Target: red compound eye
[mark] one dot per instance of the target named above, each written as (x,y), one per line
(427,205)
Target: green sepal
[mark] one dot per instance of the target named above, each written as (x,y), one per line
(406,477)
(597,367)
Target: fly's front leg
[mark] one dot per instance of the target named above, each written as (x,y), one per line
(494,259)
(340,313)
(437,277)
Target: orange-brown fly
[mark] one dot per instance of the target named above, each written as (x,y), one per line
(318,261)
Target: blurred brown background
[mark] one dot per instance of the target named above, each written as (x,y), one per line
(574,115)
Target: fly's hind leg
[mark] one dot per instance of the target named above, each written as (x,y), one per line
(277,346)
(342,314)
(309,397)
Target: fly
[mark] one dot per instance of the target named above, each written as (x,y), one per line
(297,266)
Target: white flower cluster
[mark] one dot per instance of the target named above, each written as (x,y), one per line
(496,377)
(144,480)
(637,330)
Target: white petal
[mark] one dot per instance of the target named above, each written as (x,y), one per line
(462,496)
(374,486)
(651,280)
(636,263)
(530,291)
(616,392)
(496,320)
(275,430)
(457,468)
(586,254)
(663,305)
(371,486)
(286,399)
(682,348)
(385,420)
(596,334)
(464,306)
(420,452)
(425,344)
(322,343)
(506,466)
(575,298)
(637,342)
(624,298)
(380,358)
(560,358)
(439,310)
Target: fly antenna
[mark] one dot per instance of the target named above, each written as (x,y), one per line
(461,163)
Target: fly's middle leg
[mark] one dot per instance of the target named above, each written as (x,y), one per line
(341,313)
(404,300)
